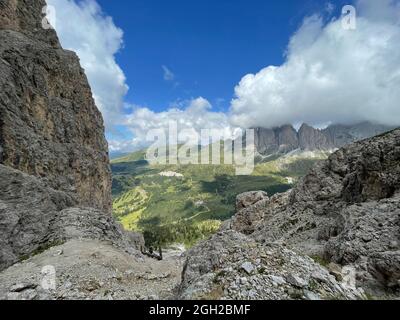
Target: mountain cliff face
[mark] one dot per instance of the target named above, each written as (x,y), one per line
(55,179)
(285,139)
(49,125)
(344,214)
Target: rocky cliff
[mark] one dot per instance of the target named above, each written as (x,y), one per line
(345,214)
(282,140)
(49,125)
(55,176)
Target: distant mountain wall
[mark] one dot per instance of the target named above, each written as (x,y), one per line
(285,139)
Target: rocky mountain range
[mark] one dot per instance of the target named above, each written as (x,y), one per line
(334,236)
(285,139)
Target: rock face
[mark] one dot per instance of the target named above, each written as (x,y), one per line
(49,125)
(286,139)
(313,139)
(55,179)
(346,212)
(35,217)
(249,211)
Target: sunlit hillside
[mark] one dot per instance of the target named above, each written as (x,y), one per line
(185,203)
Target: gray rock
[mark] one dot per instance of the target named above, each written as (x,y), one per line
(311,296)
(285,139)
(55,178)
(49,125)
(278,281)
(313,139)
(35,217)
(203,277)
(250,213)
(248,267)
(346,211)
(296,281)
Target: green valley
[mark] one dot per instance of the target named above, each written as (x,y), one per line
(186,203)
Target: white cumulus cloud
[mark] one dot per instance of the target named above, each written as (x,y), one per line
(83,27)
(193,114)
(330,74)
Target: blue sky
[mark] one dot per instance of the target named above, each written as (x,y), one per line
(208,45)
(226,64)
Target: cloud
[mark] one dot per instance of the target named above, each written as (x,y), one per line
(168,74)
(193,114)
(330,74)
(85,29)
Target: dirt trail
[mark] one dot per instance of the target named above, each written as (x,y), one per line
(93,270)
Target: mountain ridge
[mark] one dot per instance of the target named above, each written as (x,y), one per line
(284,139)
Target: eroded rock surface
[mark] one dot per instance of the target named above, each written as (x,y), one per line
(233,266)
(34,217)
(49,124)
(53,152)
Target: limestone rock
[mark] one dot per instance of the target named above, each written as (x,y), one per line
(250,213)
(313,139)
(49,125)
(34,217)
(345,214)
(285,139)
(55,178)
(346,210)
(249,199)
(219,268)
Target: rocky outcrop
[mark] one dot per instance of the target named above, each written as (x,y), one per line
(234,267)
(55,179)
(278,140)
(249,211)
(35,217)
(55,196)
(26,17)
(285,139)
(345,212)
(49,125)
